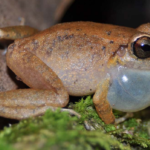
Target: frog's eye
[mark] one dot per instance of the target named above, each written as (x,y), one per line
(141,47)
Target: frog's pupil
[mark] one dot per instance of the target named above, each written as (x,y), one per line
(145,47)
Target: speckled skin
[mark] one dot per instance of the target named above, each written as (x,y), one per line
(66,59)
(77,52)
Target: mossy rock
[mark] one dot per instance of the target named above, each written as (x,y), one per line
(58,130)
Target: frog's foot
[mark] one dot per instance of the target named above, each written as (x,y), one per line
(125,117)
(74,113)
(71,112)
(16,32)
(87,125)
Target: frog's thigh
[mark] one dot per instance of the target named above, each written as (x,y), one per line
(16,32)
(23,103)
(101,103)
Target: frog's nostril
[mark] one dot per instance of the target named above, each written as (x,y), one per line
(122,50)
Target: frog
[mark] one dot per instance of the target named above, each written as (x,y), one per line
(78,59)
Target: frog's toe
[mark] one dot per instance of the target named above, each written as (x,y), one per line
(125,117)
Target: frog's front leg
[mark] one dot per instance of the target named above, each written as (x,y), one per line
(48,89)
(101,103)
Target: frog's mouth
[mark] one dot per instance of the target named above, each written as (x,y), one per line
(130,89)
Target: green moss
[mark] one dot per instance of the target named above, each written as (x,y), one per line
(55,130)
(59,130)
(87,110)
(5,146)
(132,131)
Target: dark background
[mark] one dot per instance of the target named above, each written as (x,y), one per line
(129,13)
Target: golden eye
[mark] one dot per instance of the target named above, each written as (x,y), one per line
(141,47)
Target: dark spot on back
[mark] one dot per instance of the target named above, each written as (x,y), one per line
(59,38)
(75,81)
(49,51)
(53,44)
(111,42)
(35,44)
(65,55)
(103,48)
(71,36)
(108,32)
(65,37)
(78,29)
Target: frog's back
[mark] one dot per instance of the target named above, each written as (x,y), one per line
(78,52)
(81,37)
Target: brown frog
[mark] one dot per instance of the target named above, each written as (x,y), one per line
(78,59)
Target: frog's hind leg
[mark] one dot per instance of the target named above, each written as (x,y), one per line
(48,90)
(101,103)
(9,34)
(24,103)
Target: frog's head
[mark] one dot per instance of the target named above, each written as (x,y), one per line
(139,46)
(131,75)
(136,54)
